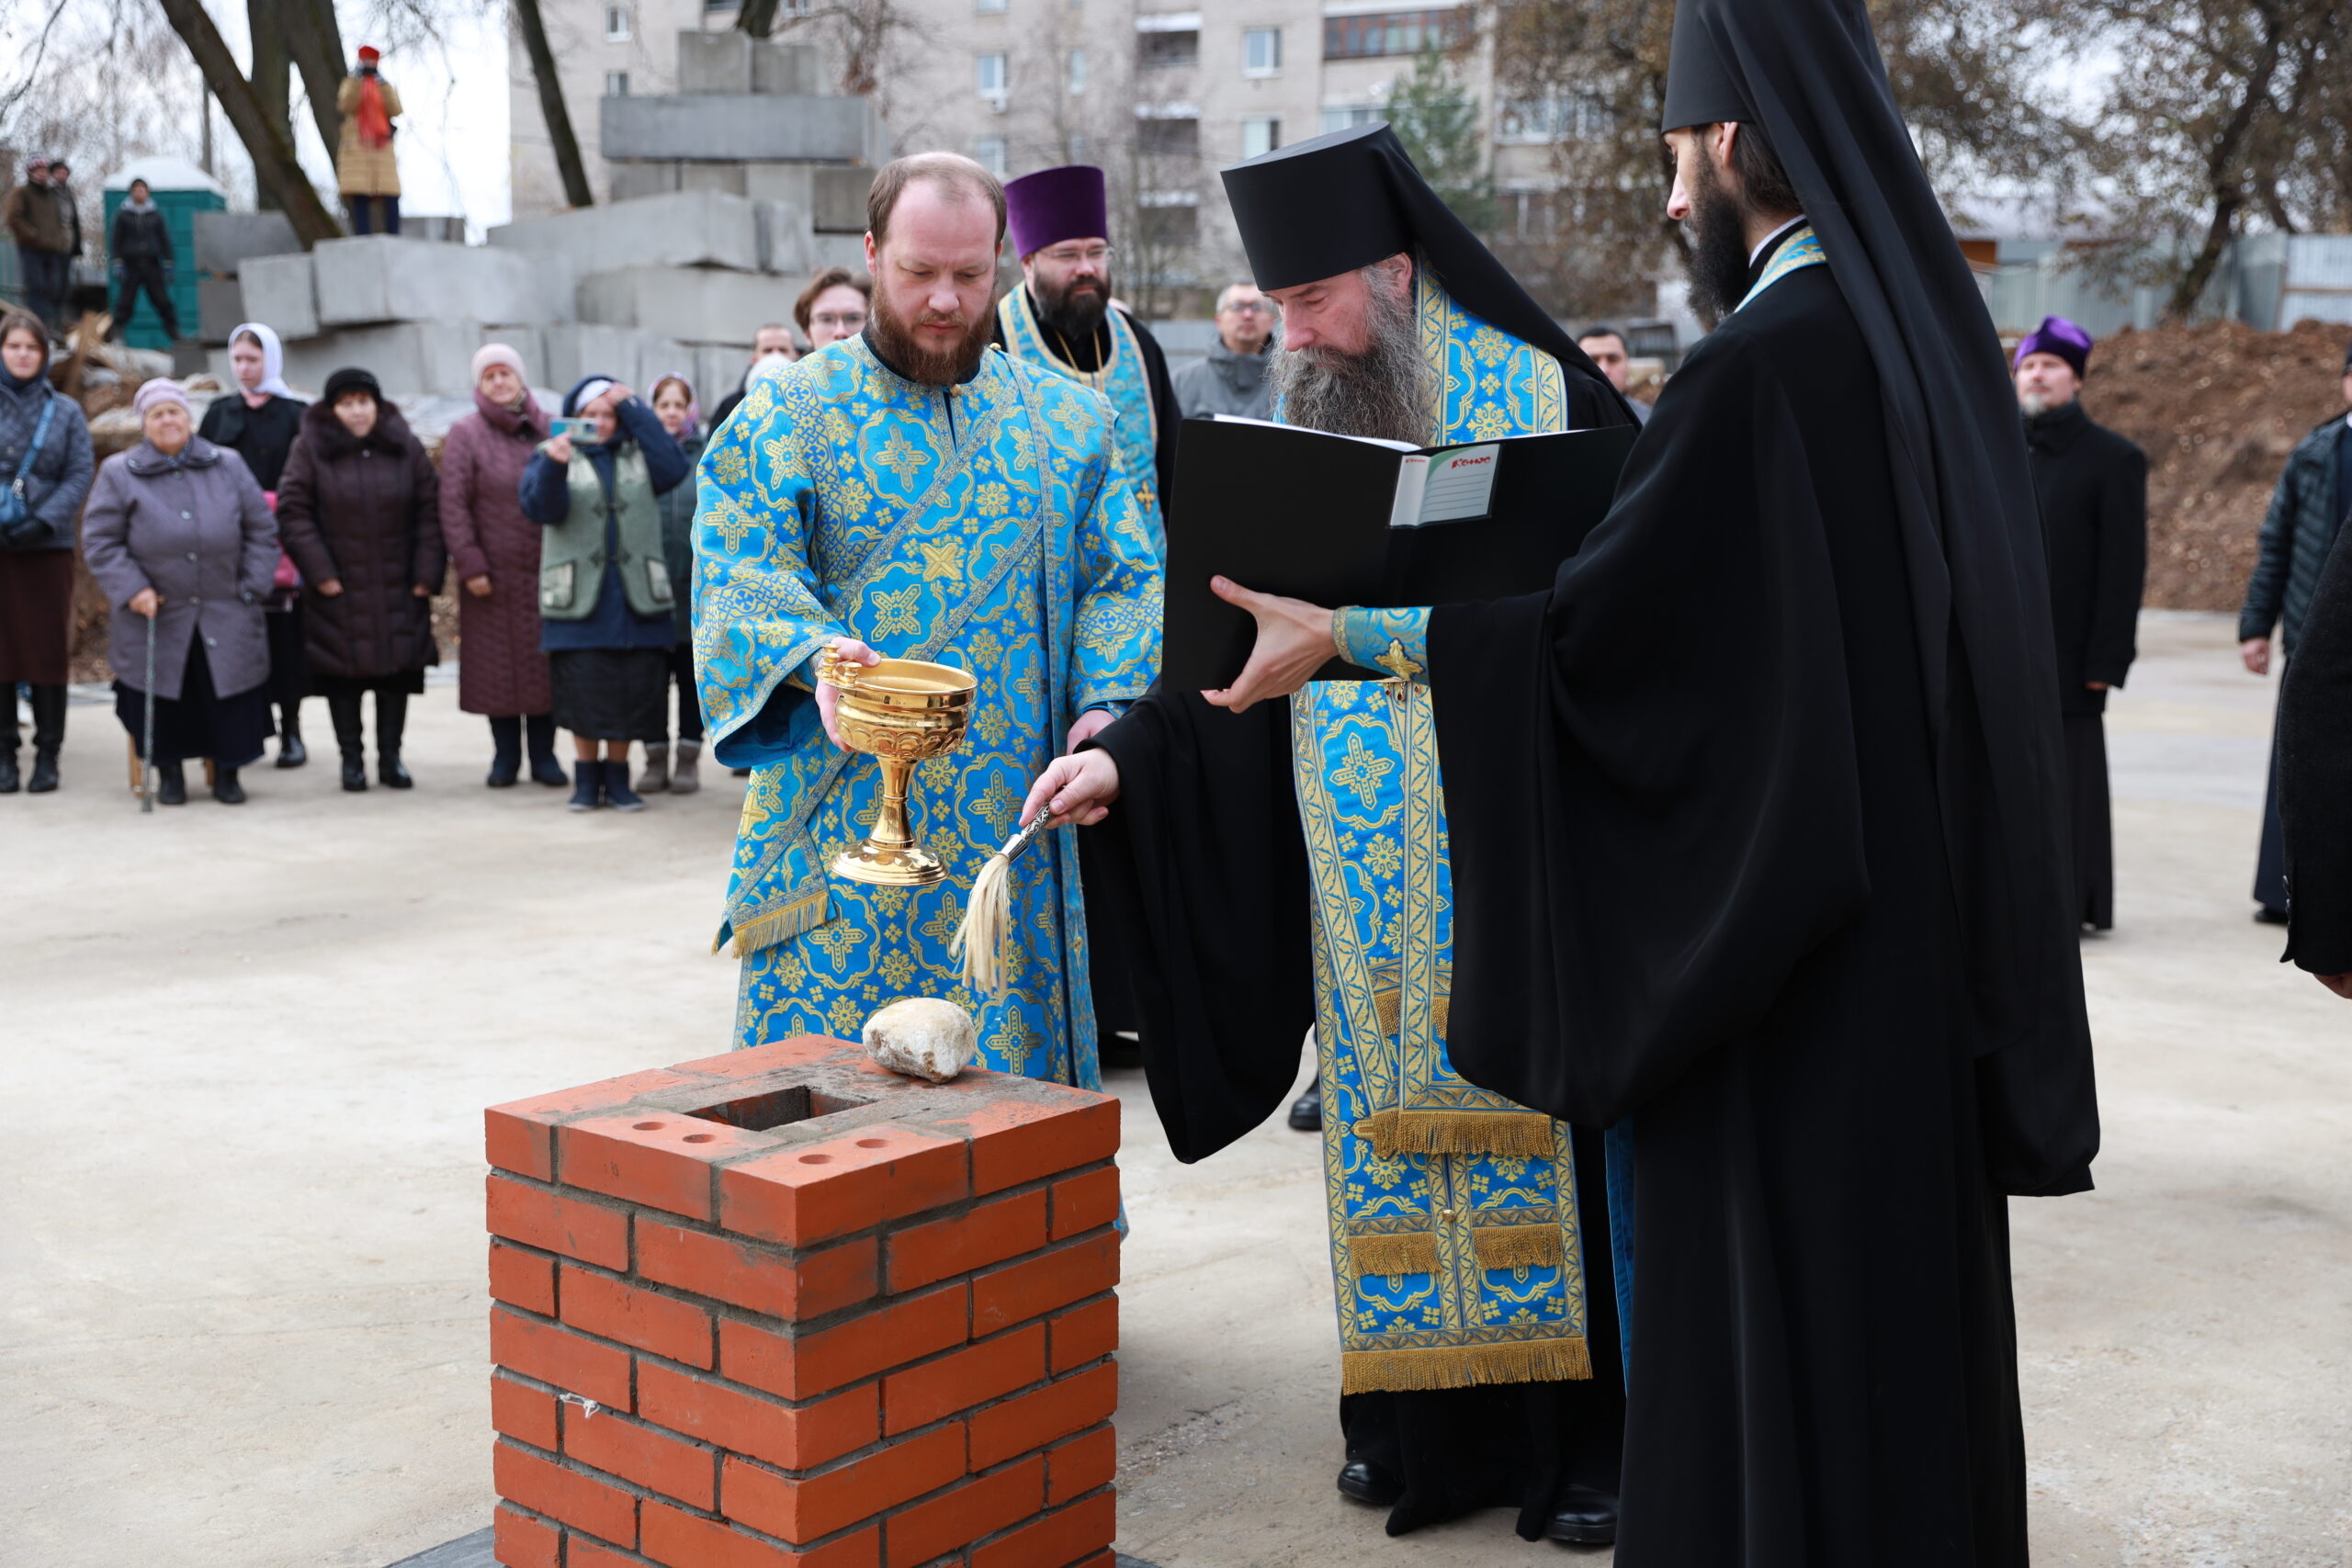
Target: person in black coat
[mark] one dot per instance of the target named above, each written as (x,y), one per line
(259,424)
(2093,486)
(141,248)
(2315,782)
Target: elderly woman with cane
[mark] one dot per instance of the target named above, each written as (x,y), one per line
(177,535)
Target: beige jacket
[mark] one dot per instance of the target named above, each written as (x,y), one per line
(359,169)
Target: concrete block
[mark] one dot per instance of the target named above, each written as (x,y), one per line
(379,278)
(579,348)
(719,370)
(693,305)
(223,240)
(785,69)
(445,229)
(786,243)
(837,250)
(408,358)
(739,126)
(530,342)
(630,182)
(698,227)
(834,195)
(282,291)
(219,306)
(724,178)
(733,63)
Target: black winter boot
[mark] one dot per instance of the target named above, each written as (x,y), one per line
(391,723)
(291,752)
(350,739)
(171,784)
(589,793)
(49,735)
(538,733)
(11,781)
(505,752)
(225,787)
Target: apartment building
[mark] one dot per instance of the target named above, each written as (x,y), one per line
(1161,98)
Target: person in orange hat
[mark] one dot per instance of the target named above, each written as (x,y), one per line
(365,165)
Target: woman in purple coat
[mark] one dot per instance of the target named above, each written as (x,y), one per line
(178,535)
(502,674)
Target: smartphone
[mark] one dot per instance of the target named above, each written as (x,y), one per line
(578,429)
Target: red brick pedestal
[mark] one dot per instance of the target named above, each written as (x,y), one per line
(780,1307)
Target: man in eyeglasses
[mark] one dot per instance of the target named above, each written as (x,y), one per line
(1232,379)
(1062,318)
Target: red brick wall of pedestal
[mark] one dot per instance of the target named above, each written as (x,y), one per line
(780,1307)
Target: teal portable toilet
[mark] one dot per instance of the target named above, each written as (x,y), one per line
(182,190)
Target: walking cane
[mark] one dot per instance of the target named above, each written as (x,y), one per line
(147,724)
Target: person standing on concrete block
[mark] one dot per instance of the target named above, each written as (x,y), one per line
(140,255)
(2093,486)
(772,349)
(2297,534)
(1232,379)
(908,493)
(606,604)
(676,770)
(45,460)
(260,424)
(361,510)
(178,535)
(501,673)
(1061,318)
(33,223)
(367,169)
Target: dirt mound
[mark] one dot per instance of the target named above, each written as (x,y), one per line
(2217,409)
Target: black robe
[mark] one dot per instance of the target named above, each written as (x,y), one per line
(1702,892)
(2314,776)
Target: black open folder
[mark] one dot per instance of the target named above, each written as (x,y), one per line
(1344,519)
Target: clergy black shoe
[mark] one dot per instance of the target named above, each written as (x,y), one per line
(225,787)
(1586,1517)
(171,784)
(1367,1483)
(355,772)
(44,777)
(291,752)
(390,773)
(2267,916)
(1306,1116)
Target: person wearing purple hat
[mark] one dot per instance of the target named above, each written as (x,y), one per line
(2093,486)
(1062,318)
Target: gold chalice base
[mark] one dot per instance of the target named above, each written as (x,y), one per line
(900,711)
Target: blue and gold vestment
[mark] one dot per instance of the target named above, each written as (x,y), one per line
(1454,1227)
(1125,378)
(989,526)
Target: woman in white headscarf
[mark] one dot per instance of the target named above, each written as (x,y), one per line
(259,424)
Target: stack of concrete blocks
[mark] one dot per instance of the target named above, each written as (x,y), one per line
(749,119)
(672,282)
(225,241)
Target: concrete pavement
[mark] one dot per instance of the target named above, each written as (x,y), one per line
(245,1052)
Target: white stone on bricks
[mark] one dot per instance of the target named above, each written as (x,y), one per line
(679,227)
(281,291)
(384,277)
(922,1037)
(693,305)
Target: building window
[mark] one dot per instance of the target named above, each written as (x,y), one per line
(617,83)
(1261,136)
(989,152)
(1261,51)
(1553,117)
(616,24)
(1077,71)
(1168,138)
(991,78)
(1166,46)
(1347,117)
(1171,219)
(1390,32)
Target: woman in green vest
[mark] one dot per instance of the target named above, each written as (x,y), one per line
(607,605)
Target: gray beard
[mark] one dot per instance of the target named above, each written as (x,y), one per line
(2032,404)
(1381,392)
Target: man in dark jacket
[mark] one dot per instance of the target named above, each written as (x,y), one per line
(2093,486)
(2306,511)
(142,247)
(33,223)
(1232,379)
(2315,782)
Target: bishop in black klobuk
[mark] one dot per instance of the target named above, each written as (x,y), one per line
(1758,846)
(1288,867)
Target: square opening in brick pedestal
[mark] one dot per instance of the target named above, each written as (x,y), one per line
(778,1108)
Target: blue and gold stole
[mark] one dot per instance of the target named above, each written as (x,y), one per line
(1454,1231)
(1124,378)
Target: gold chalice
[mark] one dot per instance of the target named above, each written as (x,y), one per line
(900,711)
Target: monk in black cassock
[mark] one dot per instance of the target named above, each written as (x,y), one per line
(1758,845)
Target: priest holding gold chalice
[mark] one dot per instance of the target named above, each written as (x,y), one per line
(921,574)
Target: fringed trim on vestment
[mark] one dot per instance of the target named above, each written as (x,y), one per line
(1524,1133)
(1460,1366)
(1518,1246)
(776,925)
(1390,1006)
(1411,1254)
